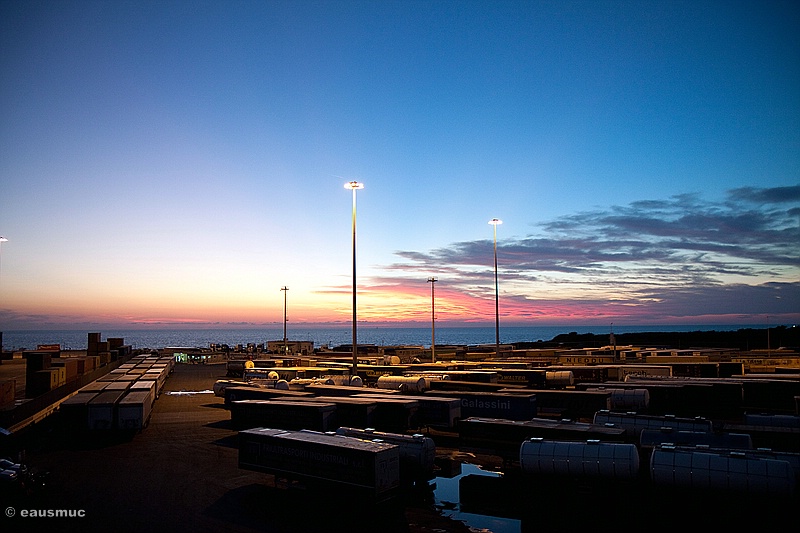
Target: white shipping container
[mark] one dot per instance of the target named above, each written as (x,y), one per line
(146,385)
(133,411)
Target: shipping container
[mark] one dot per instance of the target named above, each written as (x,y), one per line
(442,412)
(7,392)
(503,437)
(634,423)
(70,368)
(665,398)
(582,372)
(473,386)
(534,378)
(622,372)
(417,452)
(133,411)
(507,405)
(73,412)
(772,437)
(91,363)
(709,397)
(95,386)
(35,361)
(473,376)
(770,395)
(368,469)
(652,438)
(159,375)
(145,385)
(118,385)
(394,414)
(569,403)
(338,390)
(283,414)
(772,420)
(40,381)
(236,393)
(350,411)
(103,410)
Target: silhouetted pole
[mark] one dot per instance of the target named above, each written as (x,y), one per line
(2,240)
(769,350)
(432,281)
(495,222)
(285,290)
(613,340)
(354,185)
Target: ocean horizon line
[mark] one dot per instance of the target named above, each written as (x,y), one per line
(331,336)
(646,326)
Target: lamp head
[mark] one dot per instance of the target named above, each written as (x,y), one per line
(495,221)
(353,185)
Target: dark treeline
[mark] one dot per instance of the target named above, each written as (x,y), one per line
(742,339)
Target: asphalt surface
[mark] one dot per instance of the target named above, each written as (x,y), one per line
(181,474)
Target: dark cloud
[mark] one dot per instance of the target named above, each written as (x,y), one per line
(699,256)
(774,195)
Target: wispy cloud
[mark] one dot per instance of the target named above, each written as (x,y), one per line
(650,260)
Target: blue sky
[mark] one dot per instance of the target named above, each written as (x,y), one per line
(180,162)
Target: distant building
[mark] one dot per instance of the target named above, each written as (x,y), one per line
(292,347)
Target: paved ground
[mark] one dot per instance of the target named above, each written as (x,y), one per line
(181,474)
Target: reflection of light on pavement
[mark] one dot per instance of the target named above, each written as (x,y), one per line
(186,392)
(447,499)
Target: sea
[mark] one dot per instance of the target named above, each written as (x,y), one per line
(328,337)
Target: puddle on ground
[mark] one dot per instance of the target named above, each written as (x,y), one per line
(447,497)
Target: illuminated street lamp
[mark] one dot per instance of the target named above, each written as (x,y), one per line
(285,290)
(432,281)
(495,222)
(354,185)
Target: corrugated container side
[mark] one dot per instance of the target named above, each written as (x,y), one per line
(372,466)
(731,472)
(589,459)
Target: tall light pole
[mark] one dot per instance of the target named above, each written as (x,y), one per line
(769,350)
(2,240)
(354,186)
(432,281)
(495,222)
(285,290)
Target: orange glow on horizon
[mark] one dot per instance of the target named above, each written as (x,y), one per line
(399,303)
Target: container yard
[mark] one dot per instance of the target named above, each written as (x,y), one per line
(151,444)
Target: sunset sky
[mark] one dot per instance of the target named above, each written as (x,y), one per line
(180,162)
